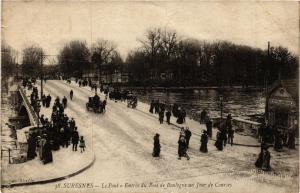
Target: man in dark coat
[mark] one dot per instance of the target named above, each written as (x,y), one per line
(175,110)
(182,148)
(188,135)
(219,141)
(209,127)
(47,153)
(156,148)
(75,139)
(161,117)
(44,100)
(156,106)
(72,124)
(71,94)
(202,116)
(168,115)
(64,102)
(204,141)
(104,105)
(48,101)
(32,142)
(179,118)
(151,106)
(183,114)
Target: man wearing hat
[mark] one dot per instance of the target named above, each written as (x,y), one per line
(204,140)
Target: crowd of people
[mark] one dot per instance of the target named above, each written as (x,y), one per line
(163,109)
(278,137)
(51,135)
(224,135)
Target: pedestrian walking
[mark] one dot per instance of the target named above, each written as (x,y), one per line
(224,136)
(230,136)
(168,115)
(161,117)
(47,152)
(264,159)
(151,106)
(44,100)
(202,116)
(209,125)
(75,139)
(182,148)
(32,142)
(219,141)
(81,144)
(48,101)
(179,117)
(182,132)
(188,135)
(156,146)
(204,141)
(64,102)
(183,114)
(41,143)
(71,94)
(156,106)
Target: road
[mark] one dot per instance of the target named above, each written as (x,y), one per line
(122,140)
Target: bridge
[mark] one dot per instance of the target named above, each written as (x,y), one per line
(25,105)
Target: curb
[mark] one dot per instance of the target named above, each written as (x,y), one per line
(50,180)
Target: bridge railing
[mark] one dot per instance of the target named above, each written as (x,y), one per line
(34,119)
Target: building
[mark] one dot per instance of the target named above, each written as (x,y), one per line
(282,108)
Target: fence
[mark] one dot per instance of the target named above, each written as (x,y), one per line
(32,114)
(9,154)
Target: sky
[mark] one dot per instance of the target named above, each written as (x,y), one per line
(52,24)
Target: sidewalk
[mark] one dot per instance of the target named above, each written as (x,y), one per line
(66,163)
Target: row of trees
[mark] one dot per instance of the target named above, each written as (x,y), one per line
(193,62)
(75,58)
(165,58)
(8,60)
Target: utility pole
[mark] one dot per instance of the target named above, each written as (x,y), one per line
(266,83)
(221,108)
(41,75)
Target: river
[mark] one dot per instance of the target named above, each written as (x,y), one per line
(239,102)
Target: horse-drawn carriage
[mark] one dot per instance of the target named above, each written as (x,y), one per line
(131,101)
(95,105)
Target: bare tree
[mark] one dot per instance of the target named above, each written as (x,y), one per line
(102,54)
(74,58)
(169,45)
(151,45)
(8,60)
(32,60)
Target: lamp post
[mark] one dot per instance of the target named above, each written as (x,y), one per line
(41,75)
(221,108)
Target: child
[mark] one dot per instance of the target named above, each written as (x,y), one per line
(81,144)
